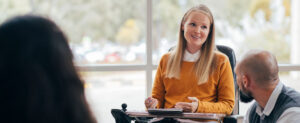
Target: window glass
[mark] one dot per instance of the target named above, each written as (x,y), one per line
(105,91)
(240,24)
(10,8)
(99,31)
(291,79)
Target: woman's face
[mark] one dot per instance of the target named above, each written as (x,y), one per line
(196,29)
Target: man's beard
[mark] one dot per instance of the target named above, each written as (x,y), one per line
(245,97)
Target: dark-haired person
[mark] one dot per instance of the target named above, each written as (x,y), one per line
(194,76)
(39,83)
(257,77)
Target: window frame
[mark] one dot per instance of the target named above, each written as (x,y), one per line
(149,66)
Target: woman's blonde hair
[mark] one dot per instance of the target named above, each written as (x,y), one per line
(204,66)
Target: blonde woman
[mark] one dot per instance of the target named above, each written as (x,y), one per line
(194,76)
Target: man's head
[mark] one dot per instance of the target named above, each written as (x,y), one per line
(258,69)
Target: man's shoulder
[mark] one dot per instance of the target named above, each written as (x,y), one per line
(290,115)
(292,94)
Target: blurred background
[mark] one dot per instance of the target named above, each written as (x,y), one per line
(117,44)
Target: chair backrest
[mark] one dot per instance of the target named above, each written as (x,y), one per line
(231,55)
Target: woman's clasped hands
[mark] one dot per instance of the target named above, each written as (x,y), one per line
(185,106)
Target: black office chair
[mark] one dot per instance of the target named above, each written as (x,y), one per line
(231,55)
(121,117)
(234,117)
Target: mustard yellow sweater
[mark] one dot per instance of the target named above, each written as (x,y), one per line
(215,96)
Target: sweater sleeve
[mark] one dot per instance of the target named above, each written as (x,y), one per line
(225,93)
(158,90)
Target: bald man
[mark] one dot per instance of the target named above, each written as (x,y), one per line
(257,78)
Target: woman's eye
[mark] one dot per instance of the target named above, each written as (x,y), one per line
(193,24)
(204,27)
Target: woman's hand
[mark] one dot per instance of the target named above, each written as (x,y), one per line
(188,107)
(151,102)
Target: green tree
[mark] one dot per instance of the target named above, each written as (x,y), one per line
(128,33)
(264,5)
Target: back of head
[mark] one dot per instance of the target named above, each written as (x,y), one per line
(39,80)
(261,66)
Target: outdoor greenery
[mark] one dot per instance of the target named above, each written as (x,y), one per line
(245,24)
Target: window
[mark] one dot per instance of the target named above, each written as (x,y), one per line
(241,25)
(107,90)
(118,44)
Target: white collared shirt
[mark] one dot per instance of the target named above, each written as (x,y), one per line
(290,115)
(189,57)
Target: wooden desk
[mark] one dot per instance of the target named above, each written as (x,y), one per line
(202,116)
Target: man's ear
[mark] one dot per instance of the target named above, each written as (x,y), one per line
(246,81)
